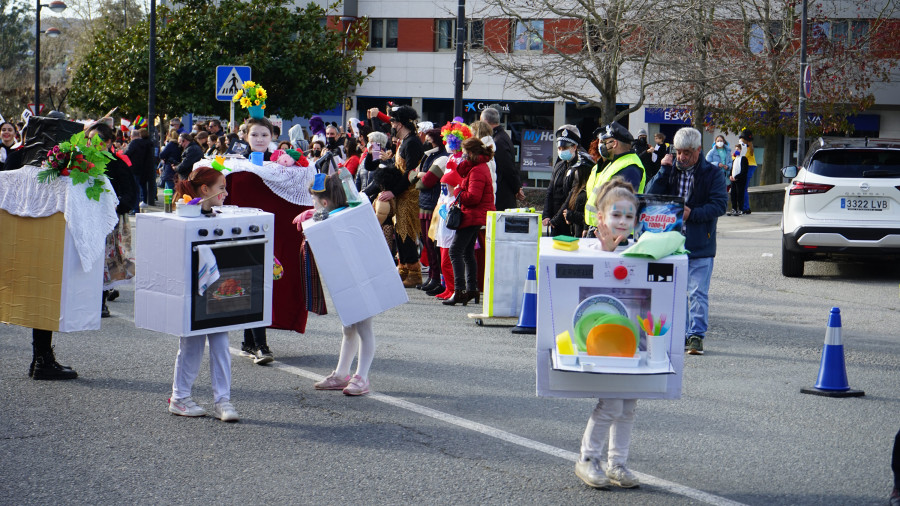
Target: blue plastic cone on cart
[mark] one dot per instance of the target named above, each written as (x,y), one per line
(832,380)
(528,316)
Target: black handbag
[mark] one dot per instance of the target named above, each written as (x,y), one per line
(454,215)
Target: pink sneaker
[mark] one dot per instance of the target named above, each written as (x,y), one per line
(333,382)
(357,386)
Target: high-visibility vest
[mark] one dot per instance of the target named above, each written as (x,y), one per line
(597,180)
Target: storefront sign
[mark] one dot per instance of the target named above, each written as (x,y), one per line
(537,150)
(478,106)
(667,115)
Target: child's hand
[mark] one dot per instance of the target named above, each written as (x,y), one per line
(608,242)
(300,218)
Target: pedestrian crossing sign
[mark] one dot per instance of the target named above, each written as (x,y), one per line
(230,79)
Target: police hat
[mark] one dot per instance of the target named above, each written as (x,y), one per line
(568,135)
(617,132)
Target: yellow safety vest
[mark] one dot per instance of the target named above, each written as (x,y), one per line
(597,180)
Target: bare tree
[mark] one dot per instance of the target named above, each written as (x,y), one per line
(747,66)
(590,52)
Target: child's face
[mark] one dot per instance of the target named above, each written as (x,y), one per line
(259,138)
(619,217)
(217,189)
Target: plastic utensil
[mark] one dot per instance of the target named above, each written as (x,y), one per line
(564,344)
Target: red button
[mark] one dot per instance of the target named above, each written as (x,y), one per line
(620,272)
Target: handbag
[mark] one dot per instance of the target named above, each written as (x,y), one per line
(454,215)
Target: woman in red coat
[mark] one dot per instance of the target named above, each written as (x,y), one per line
(476,197)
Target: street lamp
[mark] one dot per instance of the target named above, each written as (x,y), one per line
(55,6)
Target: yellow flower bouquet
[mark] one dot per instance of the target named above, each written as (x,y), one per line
(253,98)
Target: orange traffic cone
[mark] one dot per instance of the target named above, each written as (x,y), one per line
(832,380)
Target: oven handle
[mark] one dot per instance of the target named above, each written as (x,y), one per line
(231,244)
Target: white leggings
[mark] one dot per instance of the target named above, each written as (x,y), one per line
(612,420)
(359,335)
(187,365)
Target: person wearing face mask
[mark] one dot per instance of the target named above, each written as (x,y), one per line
(702,185)
(738,177)
(568,137)
(746,137)
(719,155)
(616,148)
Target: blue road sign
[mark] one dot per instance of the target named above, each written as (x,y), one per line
(230,79)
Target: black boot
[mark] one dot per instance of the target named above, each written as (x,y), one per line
(104,311)
(113,295)
(438,288)
(45,367)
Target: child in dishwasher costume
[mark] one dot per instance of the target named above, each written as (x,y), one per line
(209,184)
(612,419)
(330,199)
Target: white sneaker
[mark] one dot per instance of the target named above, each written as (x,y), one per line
(620,476)
(591,473)
(225,411)
(185,407)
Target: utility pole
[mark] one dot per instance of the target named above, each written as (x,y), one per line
(460,45)
(804,86)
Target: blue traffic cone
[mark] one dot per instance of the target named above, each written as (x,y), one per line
(528,314)
(832,380)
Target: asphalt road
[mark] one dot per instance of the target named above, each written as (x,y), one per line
(455,419)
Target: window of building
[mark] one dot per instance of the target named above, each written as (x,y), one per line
(445,34)
(757,38)
(382,33)
(847,33)
(529,35)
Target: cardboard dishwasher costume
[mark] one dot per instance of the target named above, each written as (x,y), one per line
(588,297)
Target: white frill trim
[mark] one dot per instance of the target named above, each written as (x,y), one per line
(290,183)
(88,221)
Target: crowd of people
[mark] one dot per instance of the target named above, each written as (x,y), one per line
(432,187)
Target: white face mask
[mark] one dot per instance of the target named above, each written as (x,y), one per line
(720,144)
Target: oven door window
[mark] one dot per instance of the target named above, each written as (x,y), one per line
(238,295)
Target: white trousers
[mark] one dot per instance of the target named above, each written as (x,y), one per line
(189,358)
(612,421)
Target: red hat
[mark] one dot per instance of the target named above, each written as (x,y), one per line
(451,178)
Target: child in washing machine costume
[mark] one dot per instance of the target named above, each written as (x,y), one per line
(612,419)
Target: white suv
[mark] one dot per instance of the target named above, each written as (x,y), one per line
(844,202)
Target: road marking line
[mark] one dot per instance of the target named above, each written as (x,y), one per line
(752,230)
(487,430)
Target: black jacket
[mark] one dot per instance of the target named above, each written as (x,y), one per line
(14,158)
(191,155)
(508,182)
(140,152)
(122,180)
(565,175)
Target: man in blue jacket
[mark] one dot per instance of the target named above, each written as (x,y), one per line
(702,186)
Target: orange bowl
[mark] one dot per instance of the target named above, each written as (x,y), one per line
(611,340)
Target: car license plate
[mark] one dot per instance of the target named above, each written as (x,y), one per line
(852,204)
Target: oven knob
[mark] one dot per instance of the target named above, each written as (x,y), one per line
(236,230)
(218,231)
(203,232)
(254,228)
(620,272)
